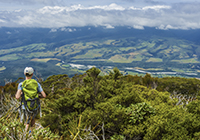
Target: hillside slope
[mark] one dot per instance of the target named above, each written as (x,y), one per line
(57,51)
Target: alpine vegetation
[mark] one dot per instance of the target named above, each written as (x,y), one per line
(93,106)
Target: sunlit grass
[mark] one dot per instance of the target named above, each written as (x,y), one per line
(10,57)
(154,60)
(178,70)
(77,70)
(125,58)
(31,47)
(80,60)
(39,54)
(150,45)
(58,64)
(192,60)
(119,59)
(108,42)
(2,68)
(198,71)
(135,73)
(127,48)
(70,53)
(44,59)
(149,69)
(66,65)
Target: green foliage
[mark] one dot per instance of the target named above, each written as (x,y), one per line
(12,128)
(53,120)
(117,137)
(45,133)
(194,107)
(125,108)
(54,83)
(120,107)
(179,85)
(173,123)
(10,88)
(116,75)
(139,111)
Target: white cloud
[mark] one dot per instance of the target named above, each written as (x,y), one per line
(53,30)
(68,29)
(177,16)
(156,7)
(8,33)
(2,21)
(19,10)
(108,26)
(58,9)
(138,27)
(112,6)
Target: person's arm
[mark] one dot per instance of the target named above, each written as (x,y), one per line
(40,90)
(18,94)
(43,94)
(19,91)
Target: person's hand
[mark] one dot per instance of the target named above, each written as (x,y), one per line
(40,96)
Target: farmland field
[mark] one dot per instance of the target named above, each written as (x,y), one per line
(151,53)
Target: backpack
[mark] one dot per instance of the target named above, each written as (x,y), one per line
(30,97)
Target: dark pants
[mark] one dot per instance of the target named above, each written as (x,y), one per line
(27,117)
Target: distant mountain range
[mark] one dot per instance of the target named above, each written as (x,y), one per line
(55,51)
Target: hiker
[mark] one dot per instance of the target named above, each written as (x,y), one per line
(28,90)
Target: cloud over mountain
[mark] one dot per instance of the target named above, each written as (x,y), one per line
(175,16)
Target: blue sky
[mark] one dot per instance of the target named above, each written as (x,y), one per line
(161,14)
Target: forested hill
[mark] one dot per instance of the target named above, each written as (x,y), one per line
(92,106)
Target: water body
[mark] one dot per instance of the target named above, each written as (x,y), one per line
(166,73)
(79,66)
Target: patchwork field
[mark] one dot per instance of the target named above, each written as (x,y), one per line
(151,55)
